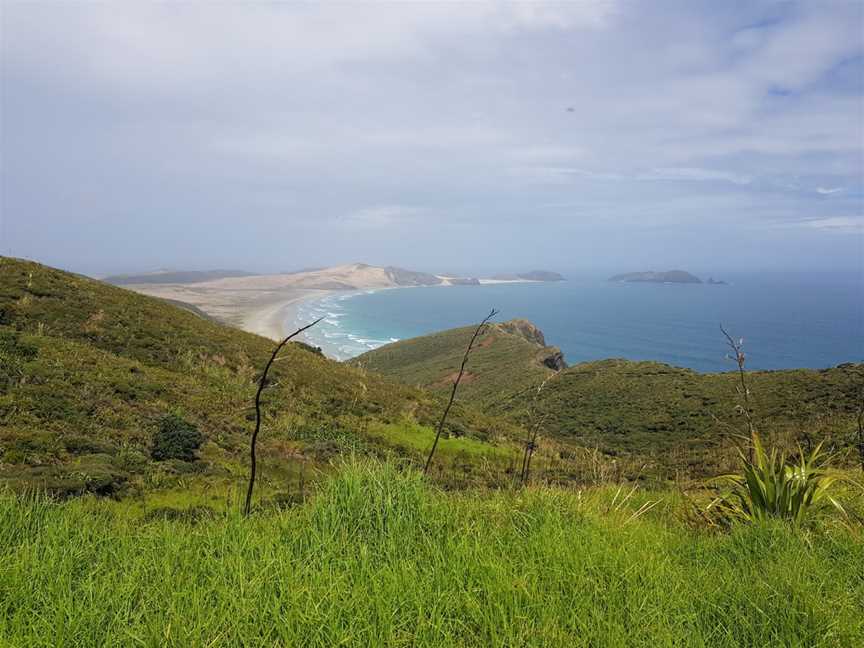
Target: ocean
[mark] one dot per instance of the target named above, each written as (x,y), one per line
(786,321)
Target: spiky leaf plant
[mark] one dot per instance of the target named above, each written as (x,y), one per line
(773,485)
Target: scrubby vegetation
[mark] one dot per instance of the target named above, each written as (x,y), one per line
(146,410)
(381,558)
(91,371)
(505,362)
(650,417)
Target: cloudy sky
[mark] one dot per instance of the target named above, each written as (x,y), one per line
(465,137)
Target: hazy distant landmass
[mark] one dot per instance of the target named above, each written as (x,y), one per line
(533,275)
(259,303)
(670,276)
(390,275)
(174,277)
(402,277)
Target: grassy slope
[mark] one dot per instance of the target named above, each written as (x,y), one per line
(501,363)
(91,368)
(678,416)
(674,419)
(380,559)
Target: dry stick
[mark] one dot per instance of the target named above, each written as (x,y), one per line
(529,452)
(479,328)
(740,359)
(531,439)
(262,382)
(861,429)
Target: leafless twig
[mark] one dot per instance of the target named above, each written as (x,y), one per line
(740,359)
(262,383)
(534,430)
(477,332)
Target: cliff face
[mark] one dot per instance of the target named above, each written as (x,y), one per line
(548,356)
(524,329)
(554,359)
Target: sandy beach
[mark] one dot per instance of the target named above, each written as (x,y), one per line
(278,319)
(268,305)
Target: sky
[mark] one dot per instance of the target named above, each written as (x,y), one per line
(448,137)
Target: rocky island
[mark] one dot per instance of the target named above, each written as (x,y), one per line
(670,276)
(533,275)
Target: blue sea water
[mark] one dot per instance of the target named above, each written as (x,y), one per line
(786,322)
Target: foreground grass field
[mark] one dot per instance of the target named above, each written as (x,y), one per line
(379,558)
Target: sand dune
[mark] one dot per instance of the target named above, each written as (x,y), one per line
(262,304)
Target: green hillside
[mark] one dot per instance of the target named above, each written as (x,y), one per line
(508,357)
(92,371)
(673,421)
(102,391)
(93,374)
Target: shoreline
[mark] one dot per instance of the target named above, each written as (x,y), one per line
(270,320)
(290,311)
(330,349)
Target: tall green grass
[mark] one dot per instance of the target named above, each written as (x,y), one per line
(379,558)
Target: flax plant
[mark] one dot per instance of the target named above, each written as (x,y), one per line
(773,485)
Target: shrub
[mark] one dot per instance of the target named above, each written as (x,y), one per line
(176,438)
(770,485)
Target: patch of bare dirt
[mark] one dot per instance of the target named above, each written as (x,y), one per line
(447,381)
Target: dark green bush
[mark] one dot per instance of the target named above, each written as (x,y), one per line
(176,438)
(309,348)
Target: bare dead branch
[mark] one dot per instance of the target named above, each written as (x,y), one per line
(477,332)
(534,430)
(740,359)
(262,383)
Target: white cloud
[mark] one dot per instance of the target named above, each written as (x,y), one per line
(165,44)
(635,113)
(383,216)
(696,174)
(851,224)
(792,55)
